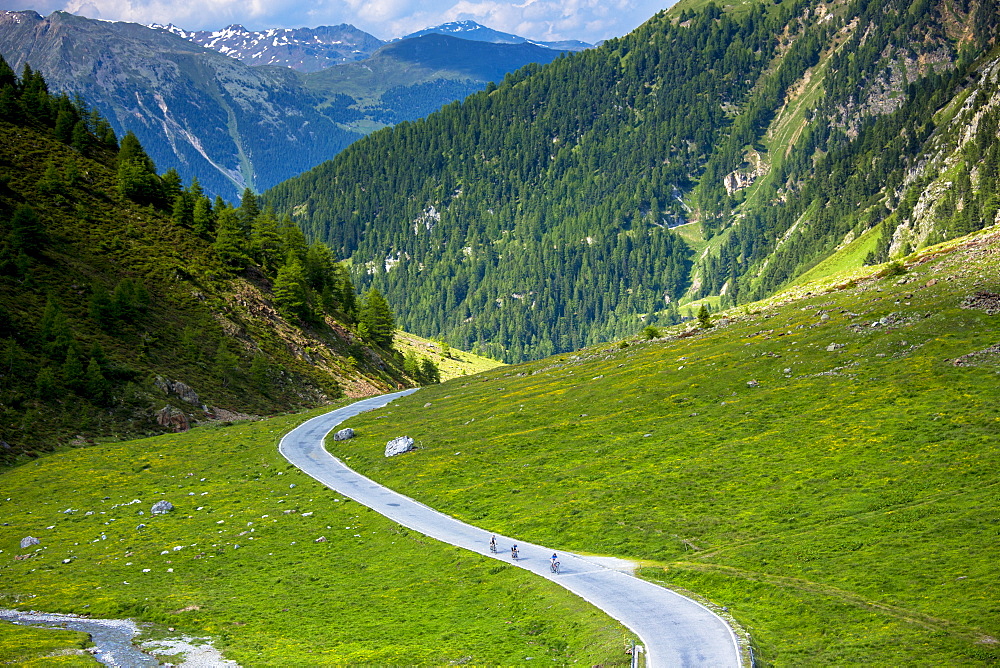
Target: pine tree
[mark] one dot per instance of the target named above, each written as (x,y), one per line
(429,371)
(203,218)
(291,293)
(98,387)
(375,319)
(73,373)
(45,384)
(230,243)
(704,317)
(268,249)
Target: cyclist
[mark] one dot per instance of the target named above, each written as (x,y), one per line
(553,558)
(553,564)
(513,551)
(493,544)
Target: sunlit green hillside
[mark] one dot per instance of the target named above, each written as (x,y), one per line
(824,464)
(275,568)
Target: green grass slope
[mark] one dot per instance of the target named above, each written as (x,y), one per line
(276,568)
(32,647)
(824,464)
(451,363)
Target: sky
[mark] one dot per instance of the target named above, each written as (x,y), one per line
(542,20)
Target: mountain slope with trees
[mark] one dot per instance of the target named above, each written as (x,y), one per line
(233,125)
(131,304)
(536,216)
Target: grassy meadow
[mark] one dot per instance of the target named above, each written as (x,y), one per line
(825,464)
(238,560)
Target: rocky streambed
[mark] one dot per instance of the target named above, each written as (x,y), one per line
(113,638)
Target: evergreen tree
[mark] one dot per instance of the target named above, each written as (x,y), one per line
(704,317)
(73,373)
(375,319)
(429,372)
(230,243)
(268,249)
(291,294)
(46,386)
(98,387)
(203,218)
(137,179)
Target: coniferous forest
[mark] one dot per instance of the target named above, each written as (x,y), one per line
(545,213)
(119,285)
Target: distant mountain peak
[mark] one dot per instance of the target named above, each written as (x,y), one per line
(303,49)
(467,29)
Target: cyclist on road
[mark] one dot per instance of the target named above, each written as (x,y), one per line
(553,558)
(493,544)
(513,551)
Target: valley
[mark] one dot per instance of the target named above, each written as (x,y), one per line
(715,301)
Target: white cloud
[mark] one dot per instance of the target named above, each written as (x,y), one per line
(587,20)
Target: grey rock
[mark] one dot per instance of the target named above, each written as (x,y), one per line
(28,541)
(753,383)
(834,346)
(185,392)
(398,446)
(344,434)
(161,507)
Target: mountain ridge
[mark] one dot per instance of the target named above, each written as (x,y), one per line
(826,111)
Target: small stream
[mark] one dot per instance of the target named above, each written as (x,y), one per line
(112,637)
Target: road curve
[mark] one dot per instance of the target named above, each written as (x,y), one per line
(675,630)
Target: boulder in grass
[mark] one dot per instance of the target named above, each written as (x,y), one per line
(344,434)
(399,445)
(161,508)
(28,541)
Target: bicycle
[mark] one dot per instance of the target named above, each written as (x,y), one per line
(493,546)
(513,553)
(554,566)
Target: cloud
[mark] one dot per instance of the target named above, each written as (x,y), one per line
(587,20)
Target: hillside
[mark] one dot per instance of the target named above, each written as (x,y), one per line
(131,305)
(783,133)
(410,78)
(267,564)
(824,464)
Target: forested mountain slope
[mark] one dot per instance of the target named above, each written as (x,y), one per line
(535,217)
(132,305)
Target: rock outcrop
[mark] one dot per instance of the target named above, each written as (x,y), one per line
(344,434)
(399,445)
(173,419)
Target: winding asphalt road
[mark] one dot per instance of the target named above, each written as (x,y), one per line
(675,630)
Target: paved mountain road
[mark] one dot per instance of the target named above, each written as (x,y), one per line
(675,630)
